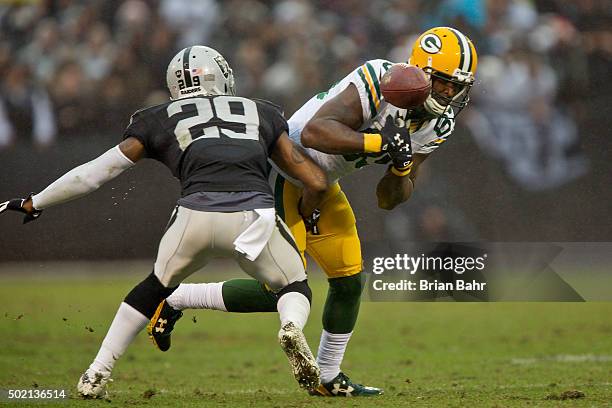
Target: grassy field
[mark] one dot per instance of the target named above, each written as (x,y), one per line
(423,354)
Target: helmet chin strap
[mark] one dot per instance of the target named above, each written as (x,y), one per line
(434,107)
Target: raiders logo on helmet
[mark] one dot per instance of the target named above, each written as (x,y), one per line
(223,65)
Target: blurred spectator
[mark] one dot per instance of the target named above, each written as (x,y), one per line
(25,110)
(193,20)
(46,51)
(516,120)
(133,16)
(250,65)
(71,94)
(159,50)
(97,53)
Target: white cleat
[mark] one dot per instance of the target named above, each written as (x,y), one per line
(303,364)
(93,384)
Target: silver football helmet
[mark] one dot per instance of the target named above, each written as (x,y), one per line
(199,70)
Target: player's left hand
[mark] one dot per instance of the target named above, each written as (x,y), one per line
(311,220)
(22,205)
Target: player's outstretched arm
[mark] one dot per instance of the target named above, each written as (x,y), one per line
(393,189)
(291,159)
(333,129)
(81,180)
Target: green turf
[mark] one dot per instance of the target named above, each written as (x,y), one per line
(423,354)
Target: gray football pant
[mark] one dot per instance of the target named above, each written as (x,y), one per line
(195,237)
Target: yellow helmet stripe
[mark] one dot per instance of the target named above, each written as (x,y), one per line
(465,62)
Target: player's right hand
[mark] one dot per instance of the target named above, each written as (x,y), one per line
(22,205)
(396,142)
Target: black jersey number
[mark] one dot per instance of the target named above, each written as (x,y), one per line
(204,113)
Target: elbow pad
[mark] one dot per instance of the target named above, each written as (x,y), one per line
(84,179)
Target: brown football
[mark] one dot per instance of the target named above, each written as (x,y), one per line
(405,86)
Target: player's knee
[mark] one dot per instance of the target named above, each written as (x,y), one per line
(348,287)
(298,286)
(146,296)
(278,281)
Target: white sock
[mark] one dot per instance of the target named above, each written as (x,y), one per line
(293,307)
(128,322)
(198,296)
(331,353)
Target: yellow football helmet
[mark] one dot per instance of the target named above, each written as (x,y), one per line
(448,55)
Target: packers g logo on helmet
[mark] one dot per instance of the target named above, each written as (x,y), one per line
(446,54)
(431,43)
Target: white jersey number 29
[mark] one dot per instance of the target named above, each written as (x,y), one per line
(201,120)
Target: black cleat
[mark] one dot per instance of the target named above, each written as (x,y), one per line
(161,325)
(342,386)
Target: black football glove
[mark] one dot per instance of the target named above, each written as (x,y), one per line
(396,142)
(311,221)
(16,204)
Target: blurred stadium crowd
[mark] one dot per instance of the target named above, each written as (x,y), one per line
(70,69)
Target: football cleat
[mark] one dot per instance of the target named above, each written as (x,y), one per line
(161,325)
(303,364)
(92,385)
(342,386)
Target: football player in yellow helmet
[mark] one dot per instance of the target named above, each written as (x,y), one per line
(343,129)
(450,58)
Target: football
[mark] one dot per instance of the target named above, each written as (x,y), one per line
(405,86)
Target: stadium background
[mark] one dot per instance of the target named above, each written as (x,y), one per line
(529,160)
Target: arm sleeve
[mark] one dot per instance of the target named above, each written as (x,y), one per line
(84,179)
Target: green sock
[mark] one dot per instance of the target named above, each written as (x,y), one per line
(247,296)
(342,304)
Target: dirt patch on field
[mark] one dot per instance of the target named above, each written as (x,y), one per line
(566,395)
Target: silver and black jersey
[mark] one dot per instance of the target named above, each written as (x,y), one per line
(211,143)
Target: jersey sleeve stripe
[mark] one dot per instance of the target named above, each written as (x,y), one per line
(371,86)
(367,86)
(375,81)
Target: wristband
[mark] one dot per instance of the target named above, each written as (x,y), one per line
(401,173)
(372,142)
